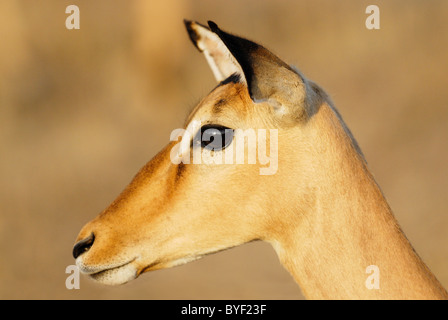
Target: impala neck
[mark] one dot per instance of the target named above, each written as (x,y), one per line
(348,227)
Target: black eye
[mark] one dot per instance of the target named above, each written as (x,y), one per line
(214,137)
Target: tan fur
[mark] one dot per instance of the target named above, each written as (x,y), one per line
(322,211)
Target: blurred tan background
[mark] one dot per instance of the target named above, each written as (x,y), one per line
(82,110)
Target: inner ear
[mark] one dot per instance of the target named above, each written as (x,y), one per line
(218,56)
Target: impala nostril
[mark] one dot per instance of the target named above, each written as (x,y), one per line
(83,245)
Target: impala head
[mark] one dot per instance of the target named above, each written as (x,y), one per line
(174,212)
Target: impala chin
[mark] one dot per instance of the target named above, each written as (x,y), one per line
(114,274)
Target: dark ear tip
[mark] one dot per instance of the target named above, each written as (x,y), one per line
(194,36)
(213,26)
(188,24)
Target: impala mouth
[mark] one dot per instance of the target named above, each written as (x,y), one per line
(110,275)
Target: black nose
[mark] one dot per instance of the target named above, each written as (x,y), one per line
(83,246)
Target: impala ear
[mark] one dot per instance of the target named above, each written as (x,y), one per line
(221,61)
(268,78)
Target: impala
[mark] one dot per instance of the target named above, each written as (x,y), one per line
(321,210)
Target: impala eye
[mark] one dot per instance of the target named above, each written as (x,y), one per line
(214,137)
